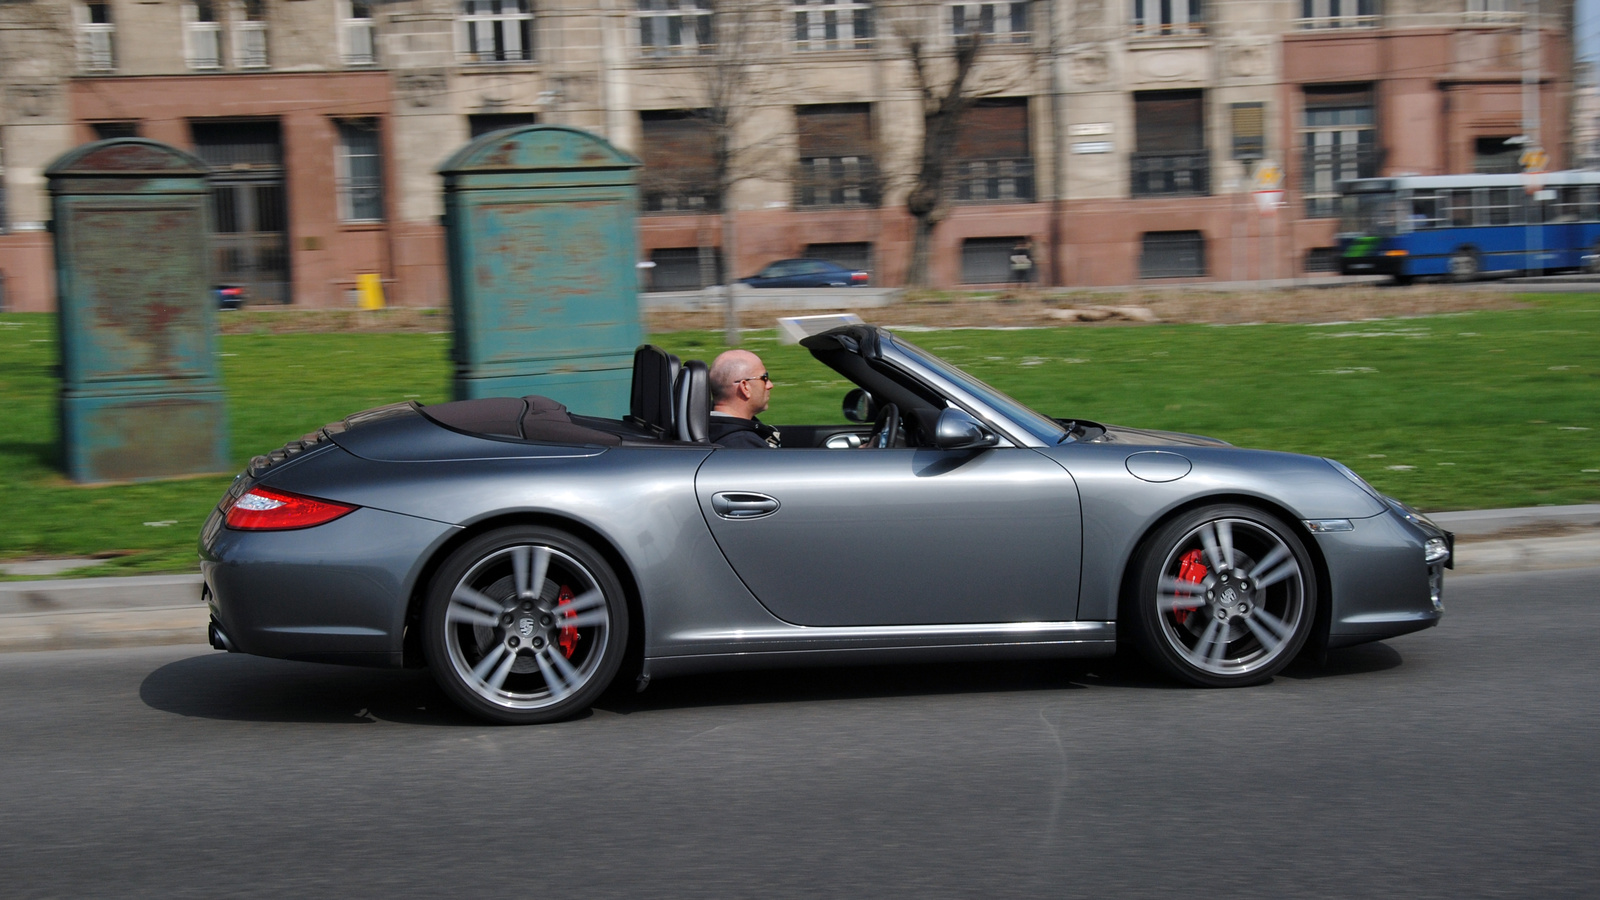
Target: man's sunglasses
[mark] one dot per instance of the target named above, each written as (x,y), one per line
(763,376)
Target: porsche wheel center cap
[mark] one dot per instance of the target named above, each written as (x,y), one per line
(526,627)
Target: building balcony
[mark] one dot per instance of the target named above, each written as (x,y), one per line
(836,182)
(689,192)
(1185,174)
(991,181)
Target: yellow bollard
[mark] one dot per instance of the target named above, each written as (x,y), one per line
(369,288)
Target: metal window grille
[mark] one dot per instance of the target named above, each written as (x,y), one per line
(497,30)
(1322,259)
(836,181)
(1005,22)
(987,260)
(832,24)
(1338,14)
(360,171)
(95,38)
(675,27)
(684,268)
(1340,141)
(1168,17)
(356,33)
(991,181)
(202,35)
(1173,254)
(850,255)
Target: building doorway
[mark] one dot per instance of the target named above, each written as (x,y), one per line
(249,240)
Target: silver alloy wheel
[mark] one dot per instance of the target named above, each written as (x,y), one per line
(527,626)
(1243,613)
(1464,265)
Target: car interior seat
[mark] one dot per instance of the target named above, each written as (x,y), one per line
(650,405)
(692,403)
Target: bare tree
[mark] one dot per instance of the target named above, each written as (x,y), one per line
(945,86)
(734,81)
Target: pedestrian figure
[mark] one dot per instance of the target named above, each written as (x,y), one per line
(1022,262)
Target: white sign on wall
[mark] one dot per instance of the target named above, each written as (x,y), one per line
(1092,147)
(1089,129)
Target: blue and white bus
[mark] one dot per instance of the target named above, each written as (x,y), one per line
(1462,226)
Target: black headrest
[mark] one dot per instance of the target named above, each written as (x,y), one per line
(654,372)
(692,408)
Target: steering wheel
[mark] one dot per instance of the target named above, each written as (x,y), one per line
(885,428)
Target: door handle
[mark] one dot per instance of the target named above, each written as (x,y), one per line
(742,505)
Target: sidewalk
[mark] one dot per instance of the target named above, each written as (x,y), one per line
(83,613)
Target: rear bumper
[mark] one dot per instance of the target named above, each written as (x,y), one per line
(334,593)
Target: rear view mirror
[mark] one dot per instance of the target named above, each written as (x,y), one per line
(859,406)
(956,430)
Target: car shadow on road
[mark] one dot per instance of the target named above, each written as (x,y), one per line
(1358,660)
(253,689)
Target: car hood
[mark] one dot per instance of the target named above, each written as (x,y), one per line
(1118,434)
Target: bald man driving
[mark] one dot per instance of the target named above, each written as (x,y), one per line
(740,388)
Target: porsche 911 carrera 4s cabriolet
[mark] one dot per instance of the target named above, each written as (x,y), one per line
(527,555)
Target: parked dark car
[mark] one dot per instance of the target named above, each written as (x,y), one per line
(802,273)
(229,296)
(527,554)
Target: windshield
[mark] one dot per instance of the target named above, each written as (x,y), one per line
(1045,429)
(1369,213)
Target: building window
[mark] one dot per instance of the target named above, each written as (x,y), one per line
(1170,155)
(1168,17)
(832,24)
(497,30)
(95,37)
(360,171)
(115,129)
(356,33)
(202,35)
(250,34)
(675,27)
(679,175)
(1493,156)
(684,268)
(1338,14)
(1340,140)
(1494,10)
(482,123)
(856,255)
(1005,23)
(836,165)
(987,260)
(1173,254)
(993,159)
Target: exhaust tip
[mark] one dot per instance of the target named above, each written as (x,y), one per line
(219,638)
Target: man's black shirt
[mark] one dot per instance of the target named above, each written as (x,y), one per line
(734,432)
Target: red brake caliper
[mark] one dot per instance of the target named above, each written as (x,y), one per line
(1190,569)
(568,637)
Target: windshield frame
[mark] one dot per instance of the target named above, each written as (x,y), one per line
(1044,430)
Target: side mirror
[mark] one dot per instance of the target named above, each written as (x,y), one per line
(859,406)
(956,430)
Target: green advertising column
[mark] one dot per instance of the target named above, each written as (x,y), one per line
(540,224)
(140,395)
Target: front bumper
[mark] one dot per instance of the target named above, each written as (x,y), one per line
(334,593)
(1382,588)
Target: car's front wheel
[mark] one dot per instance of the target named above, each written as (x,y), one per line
(524,625)
(1224,596)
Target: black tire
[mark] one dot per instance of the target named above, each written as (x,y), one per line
(1219,633)
(1593,266)
(493,629)
(1465,265)
(1404,280)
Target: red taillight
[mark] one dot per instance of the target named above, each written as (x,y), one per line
(263,509)
(858,277)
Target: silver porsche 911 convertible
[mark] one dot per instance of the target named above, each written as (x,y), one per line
(528,555)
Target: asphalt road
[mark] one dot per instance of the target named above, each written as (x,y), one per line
(1460,762)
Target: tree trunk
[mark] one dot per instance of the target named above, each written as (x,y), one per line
(730,320)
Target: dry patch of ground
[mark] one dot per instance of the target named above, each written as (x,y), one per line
(958,309)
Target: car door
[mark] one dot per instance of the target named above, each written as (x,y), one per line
(898,537)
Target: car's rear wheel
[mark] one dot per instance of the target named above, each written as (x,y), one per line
(1224,596)
(525,625)
(1465,265)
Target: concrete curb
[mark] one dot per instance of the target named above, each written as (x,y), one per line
(90,613)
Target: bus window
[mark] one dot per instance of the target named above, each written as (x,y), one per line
(1501,206)
(1424,210)
(1461,208)
(1566,208)
(1586,203)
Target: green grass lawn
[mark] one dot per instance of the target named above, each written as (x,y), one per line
(1475,410)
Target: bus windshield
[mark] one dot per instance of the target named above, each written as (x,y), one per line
(1370,213)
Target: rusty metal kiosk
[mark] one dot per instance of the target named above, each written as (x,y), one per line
(140,393)
(542,251)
